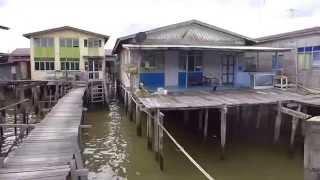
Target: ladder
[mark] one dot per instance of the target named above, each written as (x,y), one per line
(97,91)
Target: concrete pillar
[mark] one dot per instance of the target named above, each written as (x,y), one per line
(312,149)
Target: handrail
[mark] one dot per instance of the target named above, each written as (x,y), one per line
(14,104)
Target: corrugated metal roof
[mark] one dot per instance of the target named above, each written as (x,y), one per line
(125,38)
(205,47)
(21,52)
(302,32)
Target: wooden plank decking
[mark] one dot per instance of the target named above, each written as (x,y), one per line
(206,99)
(48,151)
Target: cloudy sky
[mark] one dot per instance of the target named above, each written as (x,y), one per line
(253,18)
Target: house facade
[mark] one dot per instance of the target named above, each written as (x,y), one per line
(20,64)
(303,60)
(67,52)
(188,55)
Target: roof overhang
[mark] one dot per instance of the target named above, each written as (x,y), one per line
(204,47)
(29,35)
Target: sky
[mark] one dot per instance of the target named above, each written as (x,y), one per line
(116,18)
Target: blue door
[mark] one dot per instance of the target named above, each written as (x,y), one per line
(190,69)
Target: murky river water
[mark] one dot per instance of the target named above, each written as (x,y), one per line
(113,151)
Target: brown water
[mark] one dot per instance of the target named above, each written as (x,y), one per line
(113,151)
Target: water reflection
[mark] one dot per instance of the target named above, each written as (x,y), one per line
(105,151)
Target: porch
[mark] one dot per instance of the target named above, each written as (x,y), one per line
(180,68)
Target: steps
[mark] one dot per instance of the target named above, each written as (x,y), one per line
(97,92)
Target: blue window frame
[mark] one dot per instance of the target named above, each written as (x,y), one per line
(308,57)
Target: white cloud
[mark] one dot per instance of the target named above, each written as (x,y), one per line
(116,18)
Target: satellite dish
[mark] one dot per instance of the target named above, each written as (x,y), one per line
(140,37)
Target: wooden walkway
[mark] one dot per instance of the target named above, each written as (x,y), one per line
(206,99)
(51,150)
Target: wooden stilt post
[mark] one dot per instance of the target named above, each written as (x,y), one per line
(138,120)
(16,109)
(185,117)
(3,120)
(149,131)
(304,109)
(161,154)
(260,115)
(129,108)
(37,104)
(56,94)
(277,124)
(156,135)
(125,101)
(294,124)
(223,129)
(200,120)
(205,128)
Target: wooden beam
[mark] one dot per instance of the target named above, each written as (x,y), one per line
(87,126)
(294,113)
(17,125)
(14,104)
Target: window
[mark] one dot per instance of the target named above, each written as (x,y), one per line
(85,42)
(93,43)
(69,64)
(277,62)
(194,61)
(44,64)
(36,66)
(69,42)
(75,43)
(316,56)
(152,62)
(43,42)
(308,57)
(36,42)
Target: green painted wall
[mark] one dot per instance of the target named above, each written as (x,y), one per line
(44,52)
(69,52)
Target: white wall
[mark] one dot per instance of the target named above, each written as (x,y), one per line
(171,68)
(211,64)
